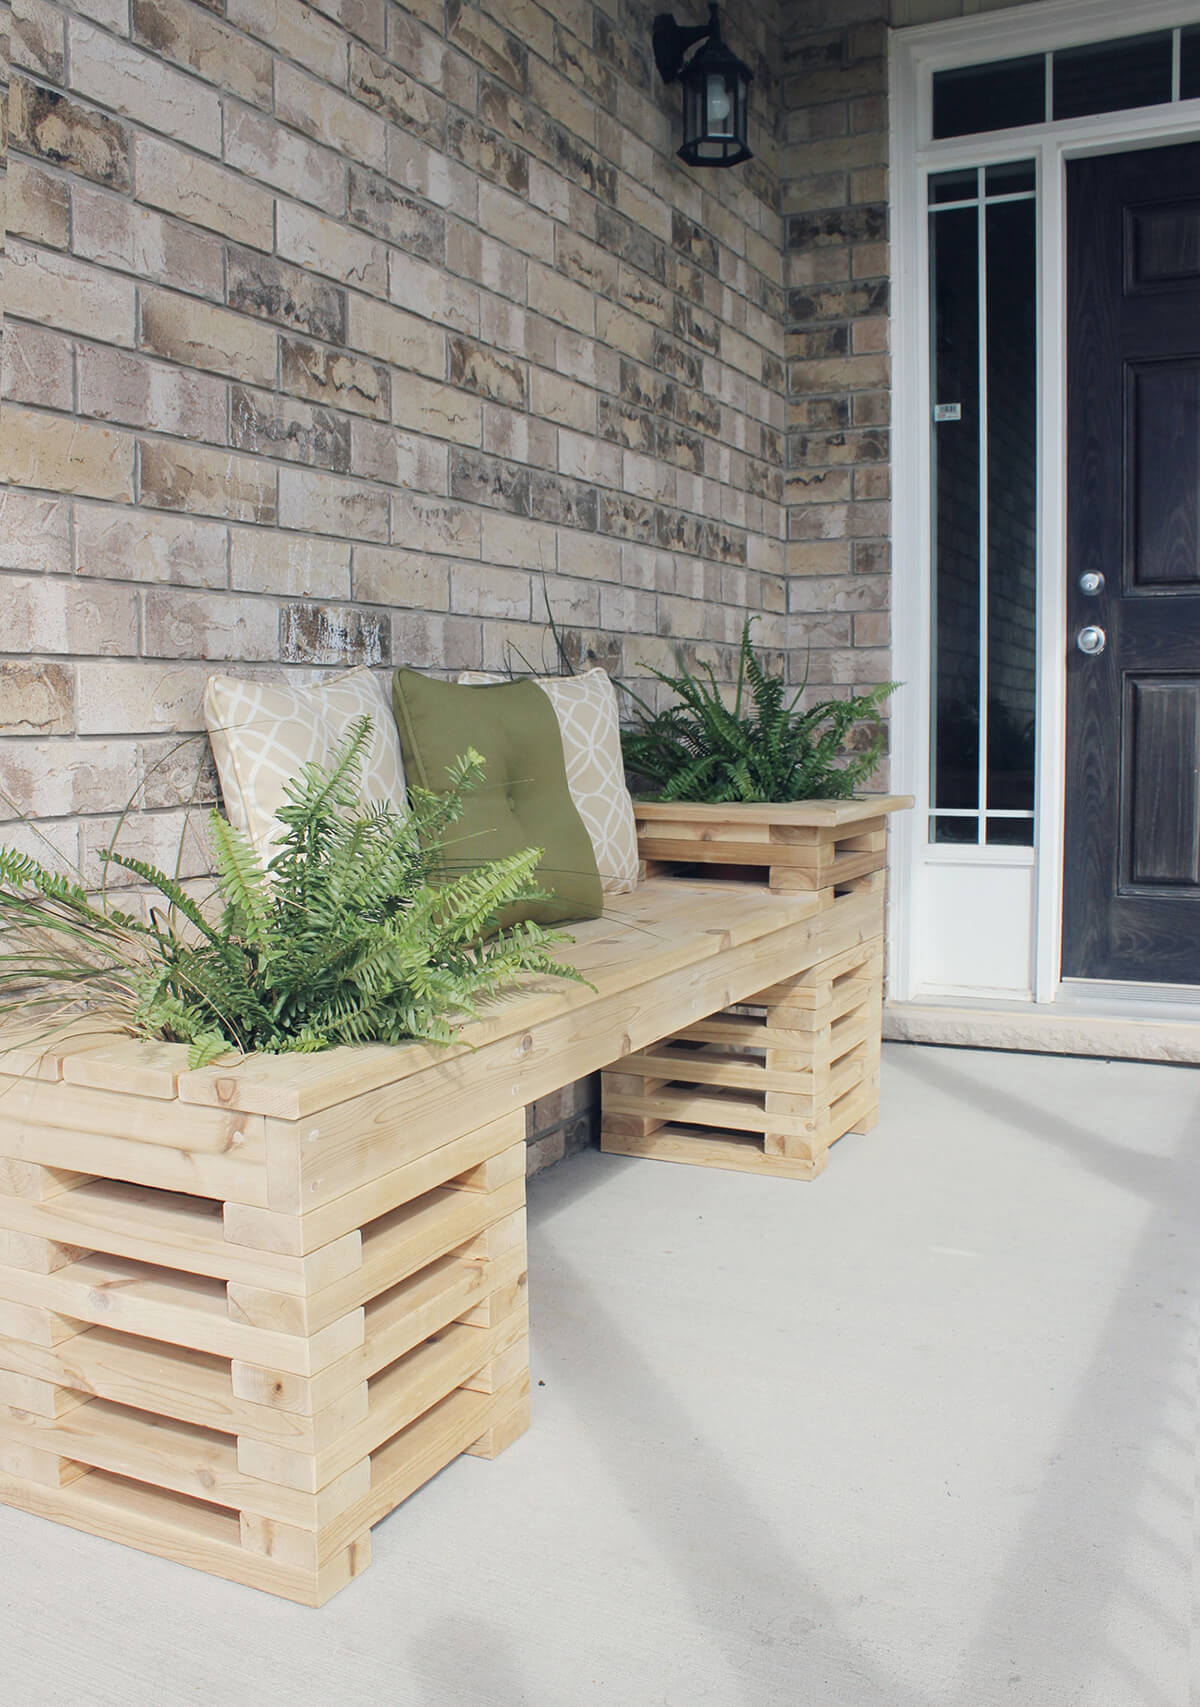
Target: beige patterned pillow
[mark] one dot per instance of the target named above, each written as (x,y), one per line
(586,707)
(263,732)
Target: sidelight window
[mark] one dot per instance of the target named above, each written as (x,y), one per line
(983,299)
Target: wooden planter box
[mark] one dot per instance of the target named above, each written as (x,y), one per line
(243,1388)
(827,846)
(770,1085)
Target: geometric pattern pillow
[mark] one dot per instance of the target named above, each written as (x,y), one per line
(263,732)
(588,720)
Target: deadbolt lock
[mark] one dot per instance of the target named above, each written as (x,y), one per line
(1091,582)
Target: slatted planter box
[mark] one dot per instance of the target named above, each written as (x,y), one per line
(768,1086)
(827,847)
(244,1389)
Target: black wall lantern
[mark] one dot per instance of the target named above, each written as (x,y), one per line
(716,90)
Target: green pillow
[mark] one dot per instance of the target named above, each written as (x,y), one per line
(523,800)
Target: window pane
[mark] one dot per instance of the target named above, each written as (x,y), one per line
(1010,832)
(954,830)
(954,261)
(1012,460)
(954,186)
(1014,178)
(1110,75)
(1189,63)
(998,96)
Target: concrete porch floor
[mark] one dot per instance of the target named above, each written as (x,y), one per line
(921,1434)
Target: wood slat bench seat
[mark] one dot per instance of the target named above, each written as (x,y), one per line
(246,1311)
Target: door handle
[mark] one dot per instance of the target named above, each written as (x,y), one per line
(1091,641)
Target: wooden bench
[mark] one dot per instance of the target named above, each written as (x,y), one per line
(246,1311)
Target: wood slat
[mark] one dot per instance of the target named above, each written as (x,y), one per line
(299,1235)
(171,1381)
(171,1230)
(822,813)
(181,1309)
(709,1150)
(180,1529)
(448,1290)
(130,1065)
(675,1061)
(177,1456)
(397,1396)
(40,1051)
(221,1154)
(396,1245)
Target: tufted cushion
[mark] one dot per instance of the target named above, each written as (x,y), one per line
(524,800)
(263,732)
(586,708)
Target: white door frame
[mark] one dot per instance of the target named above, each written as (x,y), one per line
(915,55)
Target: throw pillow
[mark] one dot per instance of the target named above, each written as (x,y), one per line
(263,732)
(588,720)
(524,800)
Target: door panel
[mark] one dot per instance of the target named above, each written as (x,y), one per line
(1162,472)
(1162,245)
(1162,840)
(1131,890)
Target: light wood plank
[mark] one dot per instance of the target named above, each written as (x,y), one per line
(393,1247)
(130,1065)
(181,1309)
(799,812)
(448,1290)
(397,1396)
(730,1150)
(183,1530)
(172,1230)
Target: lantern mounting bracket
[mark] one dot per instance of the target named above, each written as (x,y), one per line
(671,41)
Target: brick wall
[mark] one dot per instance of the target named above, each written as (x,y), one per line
(331,330)
(833,168)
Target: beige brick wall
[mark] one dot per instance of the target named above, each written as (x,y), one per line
(833,168)
(330,331)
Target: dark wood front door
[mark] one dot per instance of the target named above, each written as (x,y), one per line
(1131,892)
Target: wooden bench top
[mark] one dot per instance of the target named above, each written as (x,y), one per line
(820,813)
(673,952)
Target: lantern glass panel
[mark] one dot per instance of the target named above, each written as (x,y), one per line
(720,101)
(693,113)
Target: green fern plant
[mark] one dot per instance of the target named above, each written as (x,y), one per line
(356,932)
(760,748)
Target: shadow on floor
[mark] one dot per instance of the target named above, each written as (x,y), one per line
(743,1560)
(1135,1476)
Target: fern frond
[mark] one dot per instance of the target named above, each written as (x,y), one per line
(366,926)
(700,748)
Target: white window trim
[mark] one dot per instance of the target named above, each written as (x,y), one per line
(915,54)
